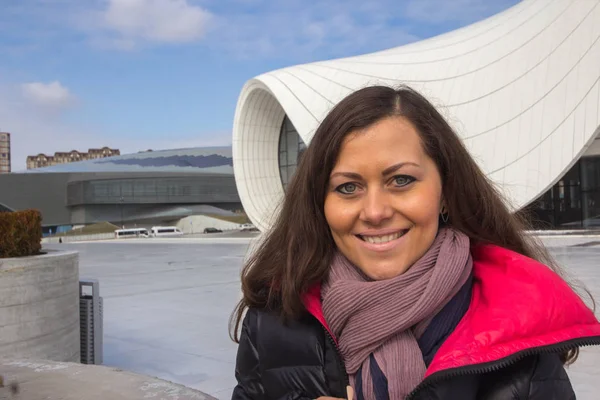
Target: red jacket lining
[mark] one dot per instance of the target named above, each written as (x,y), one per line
(517,304)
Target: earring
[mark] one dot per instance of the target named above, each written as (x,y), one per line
(444,215)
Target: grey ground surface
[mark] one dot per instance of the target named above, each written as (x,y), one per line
(167,304)
(50,380)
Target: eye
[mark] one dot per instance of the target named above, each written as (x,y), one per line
(403,180)
(347,188)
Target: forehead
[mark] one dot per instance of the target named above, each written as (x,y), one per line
(392,139)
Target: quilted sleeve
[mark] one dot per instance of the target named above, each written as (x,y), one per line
(549,380)
(247,367)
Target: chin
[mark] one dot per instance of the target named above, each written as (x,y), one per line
(384,272)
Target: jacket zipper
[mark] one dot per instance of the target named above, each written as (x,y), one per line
(341,366)
(502,363)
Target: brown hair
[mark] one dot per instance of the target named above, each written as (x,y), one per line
(296,252)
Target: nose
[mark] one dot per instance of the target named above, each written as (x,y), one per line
(376,207)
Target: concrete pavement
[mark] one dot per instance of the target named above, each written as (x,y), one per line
(48,380)
(167,305)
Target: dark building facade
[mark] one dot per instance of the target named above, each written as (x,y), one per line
(145,188)
(291,147)
(573,202)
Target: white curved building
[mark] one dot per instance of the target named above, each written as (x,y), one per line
(522,88)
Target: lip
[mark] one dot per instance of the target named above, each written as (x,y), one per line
(381,232)
(382,247)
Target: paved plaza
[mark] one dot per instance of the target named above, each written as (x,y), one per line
(167,303)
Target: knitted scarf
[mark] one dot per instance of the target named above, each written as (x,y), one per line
(385,318)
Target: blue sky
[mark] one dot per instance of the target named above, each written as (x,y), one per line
(139,74)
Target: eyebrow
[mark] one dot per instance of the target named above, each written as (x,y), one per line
(396,167)
(387,171)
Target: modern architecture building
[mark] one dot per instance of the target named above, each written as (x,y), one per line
(43,160)
(574,201)
(150,188)
(4,153)
(522,89)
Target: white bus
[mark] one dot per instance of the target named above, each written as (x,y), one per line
(131,233)
(165,231)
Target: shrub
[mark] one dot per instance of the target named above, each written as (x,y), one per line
(20,233)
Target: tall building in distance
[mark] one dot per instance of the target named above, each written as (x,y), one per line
(4,153)
(43,160)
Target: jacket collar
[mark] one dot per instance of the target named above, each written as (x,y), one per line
(517,304)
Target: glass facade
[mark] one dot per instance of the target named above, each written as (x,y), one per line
(291,147)
(153,190)
(573,202)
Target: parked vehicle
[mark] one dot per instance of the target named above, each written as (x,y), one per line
(248,228)
(157,231)
(131,233)
(212,230)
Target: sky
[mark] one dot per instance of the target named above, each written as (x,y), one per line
(160,74)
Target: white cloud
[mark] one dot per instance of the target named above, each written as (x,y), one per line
(297,30)
(52,95)
(33,131)
(300,30)
(132,22)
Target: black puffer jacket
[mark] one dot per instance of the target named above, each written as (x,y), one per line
(299,362)
(506,346)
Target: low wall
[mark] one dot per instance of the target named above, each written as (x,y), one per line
(39,306)
(79,238)
(41,380)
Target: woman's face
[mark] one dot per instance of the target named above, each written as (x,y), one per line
(384,198)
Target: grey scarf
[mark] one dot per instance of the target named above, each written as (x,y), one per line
(385,318)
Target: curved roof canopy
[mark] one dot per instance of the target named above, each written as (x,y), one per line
(521,88)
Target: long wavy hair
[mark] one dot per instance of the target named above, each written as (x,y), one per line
(296,252)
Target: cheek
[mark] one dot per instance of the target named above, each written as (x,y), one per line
(427,214)
(338,214)
(330,214)
(423,208)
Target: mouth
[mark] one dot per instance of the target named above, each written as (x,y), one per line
(382,239)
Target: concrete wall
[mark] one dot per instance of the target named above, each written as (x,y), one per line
(39,306)
(49,193)
(197,223)
(44,192)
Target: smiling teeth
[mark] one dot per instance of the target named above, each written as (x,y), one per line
(382,239)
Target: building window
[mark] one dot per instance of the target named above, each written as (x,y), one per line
(573,202)
(291,147)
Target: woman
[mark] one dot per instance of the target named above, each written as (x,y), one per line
(396,268)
